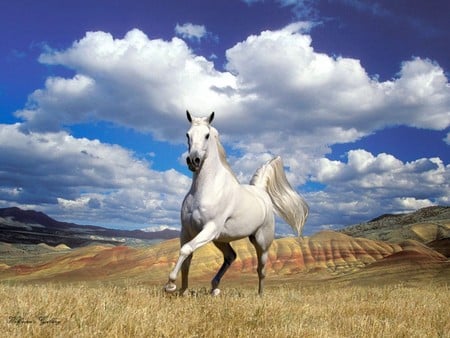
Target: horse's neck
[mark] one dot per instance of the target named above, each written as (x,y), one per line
(213,174)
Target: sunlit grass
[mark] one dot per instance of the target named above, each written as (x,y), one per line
(290,310)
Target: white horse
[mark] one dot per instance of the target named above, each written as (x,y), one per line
(219,209)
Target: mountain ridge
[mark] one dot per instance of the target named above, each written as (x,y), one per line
(33,227)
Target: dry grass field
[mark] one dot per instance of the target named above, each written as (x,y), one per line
(326,285)
(289,309)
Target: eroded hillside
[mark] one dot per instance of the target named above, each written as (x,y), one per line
(327,254)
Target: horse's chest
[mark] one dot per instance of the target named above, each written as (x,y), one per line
(203,212)
(198,217)
(198,211)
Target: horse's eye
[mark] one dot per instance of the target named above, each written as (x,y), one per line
(207,136)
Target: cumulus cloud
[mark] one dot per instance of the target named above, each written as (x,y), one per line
(286,78)
(190,31)
(365,184)
(277,96)
(273,80)
(412,204)
(296,101)
(86,179)
(364,170)
(135,81)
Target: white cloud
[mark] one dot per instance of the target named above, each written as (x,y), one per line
(277,96)
(135,81)
(296,101)
(86,179)
(276,83)
(364,170)
(62,100)
(360,163)
(159,228)
(412,204)
(286,80)
(190,31)
(366,184)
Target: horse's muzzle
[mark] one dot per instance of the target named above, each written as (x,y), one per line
(193,165)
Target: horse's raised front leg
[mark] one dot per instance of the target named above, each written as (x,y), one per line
(205,236)
(229,255)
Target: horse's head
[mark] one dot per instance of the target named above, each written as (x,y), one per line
(198,140)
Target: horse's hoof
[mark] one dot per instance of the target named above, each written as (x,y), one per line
(215,292)
(170,287)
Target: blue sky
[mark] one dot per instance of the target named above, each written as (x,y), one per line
(354,95)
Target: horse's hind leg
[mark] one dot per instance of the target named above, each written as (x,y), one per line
(229,255)
(262,252)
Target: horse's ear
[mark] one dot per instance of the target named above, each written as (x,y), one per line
(188,115)
(211,118)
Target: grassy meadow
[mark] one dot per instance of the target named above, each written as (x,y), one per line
(288,310)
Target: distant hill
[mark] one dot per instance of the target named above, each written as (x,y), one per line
(32,227)
(326,255)
(430,226)
(414,248)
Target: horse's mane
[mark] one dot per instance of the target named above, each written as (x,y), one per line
(222,153)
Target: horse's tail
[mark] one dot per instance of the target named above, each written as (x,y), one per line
(286,201)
